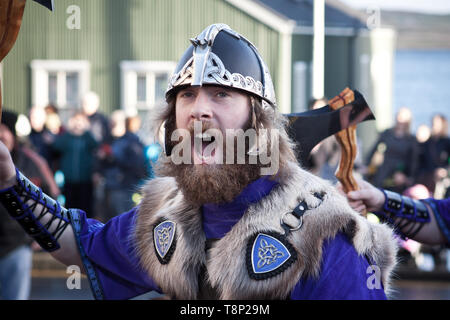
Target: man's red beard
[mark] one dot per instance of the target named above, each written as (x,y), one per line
(202,184)
(217,183)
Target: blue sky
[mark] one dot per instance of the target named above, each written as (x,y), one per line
(424,6)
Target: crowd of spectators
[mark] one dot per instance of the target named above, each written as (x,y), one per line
(96,163)
(400,160)
(99,160)
(91,162)
(414,164)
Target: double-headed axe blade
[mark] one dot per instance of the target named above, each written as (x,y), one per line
(308,128)
(46,3)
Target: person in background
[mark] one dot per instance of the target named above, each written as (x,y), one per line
(100,129)
(15,250)
(77,148)
(99,123)
(325,156)
(151,151)
(124,165)
(437,150)
(133,123)
(393,159)
(40,136)
(53,122)
(423,175)
(105,164)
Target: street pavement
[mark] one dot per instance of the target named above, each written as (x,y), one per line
(55,288)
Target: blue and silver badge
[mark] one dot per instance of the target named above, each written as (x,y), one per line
(268,254)
(164,240)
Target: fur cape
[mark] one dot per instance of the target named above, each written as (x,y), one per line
(226,261)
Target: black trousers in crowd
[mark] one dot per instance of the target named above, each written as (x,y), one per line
(80,196)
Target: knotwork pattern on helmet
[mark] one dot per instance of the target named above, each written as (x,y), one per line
(216,73)
(184,76)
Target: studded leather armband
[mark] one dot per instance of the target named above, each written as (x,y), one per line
(22,200)
(407,215)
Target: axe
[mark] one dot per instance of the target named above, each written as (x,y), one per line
(11,12)
(338,118)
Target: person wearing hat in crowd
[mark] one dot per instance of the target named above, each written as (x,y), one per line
(15,250)
(253,226)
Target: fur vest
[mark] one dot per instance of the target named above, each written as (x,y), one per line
(227,261)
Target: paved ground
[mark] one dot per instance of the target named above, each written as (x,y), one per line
(50,283)
(56,289)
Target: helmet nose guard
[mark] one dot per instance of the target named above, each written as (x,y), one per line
(221,56)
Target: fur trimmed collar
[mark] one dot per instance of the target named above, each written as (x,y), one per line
(226,262)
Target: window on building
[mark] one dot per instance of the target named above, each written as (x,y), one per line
(59,82)
(144,83)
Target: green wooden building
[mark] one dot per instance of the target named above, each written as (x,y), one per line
(125,50)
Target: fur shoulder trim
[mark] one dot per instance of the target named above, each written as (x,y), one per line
(226,265)
(163,200)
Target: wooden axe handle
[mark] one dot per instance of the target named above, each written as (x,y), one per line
(347,140)
(11,13)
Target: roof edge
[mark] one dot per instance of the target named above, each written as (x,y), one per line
(265,15)
(281,23)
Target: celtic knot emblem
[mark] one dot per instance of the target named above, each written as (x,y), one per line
(164,238)
(267,254)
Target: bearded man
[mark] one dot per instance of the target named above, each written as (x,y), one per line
(252,226)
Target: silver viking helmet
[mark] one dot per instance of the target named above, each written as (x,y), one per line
(221,56)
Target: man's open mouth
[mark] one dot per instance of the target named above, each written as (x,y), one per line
(203,148)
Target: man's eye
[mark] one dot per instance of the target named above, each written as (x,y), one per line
(222,94)
(186,94)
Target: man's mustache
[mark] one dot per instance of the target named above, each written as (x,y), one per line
(193,126)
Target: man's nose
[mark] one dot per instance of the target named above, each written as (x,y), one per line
(202,109)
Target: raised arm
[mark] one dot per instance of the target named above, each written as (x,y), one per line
(418,220)
(41,217)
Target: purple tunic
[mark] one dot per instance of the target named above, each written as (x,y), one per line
(441,210)
(344,276)
(111,264)
(109,258)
